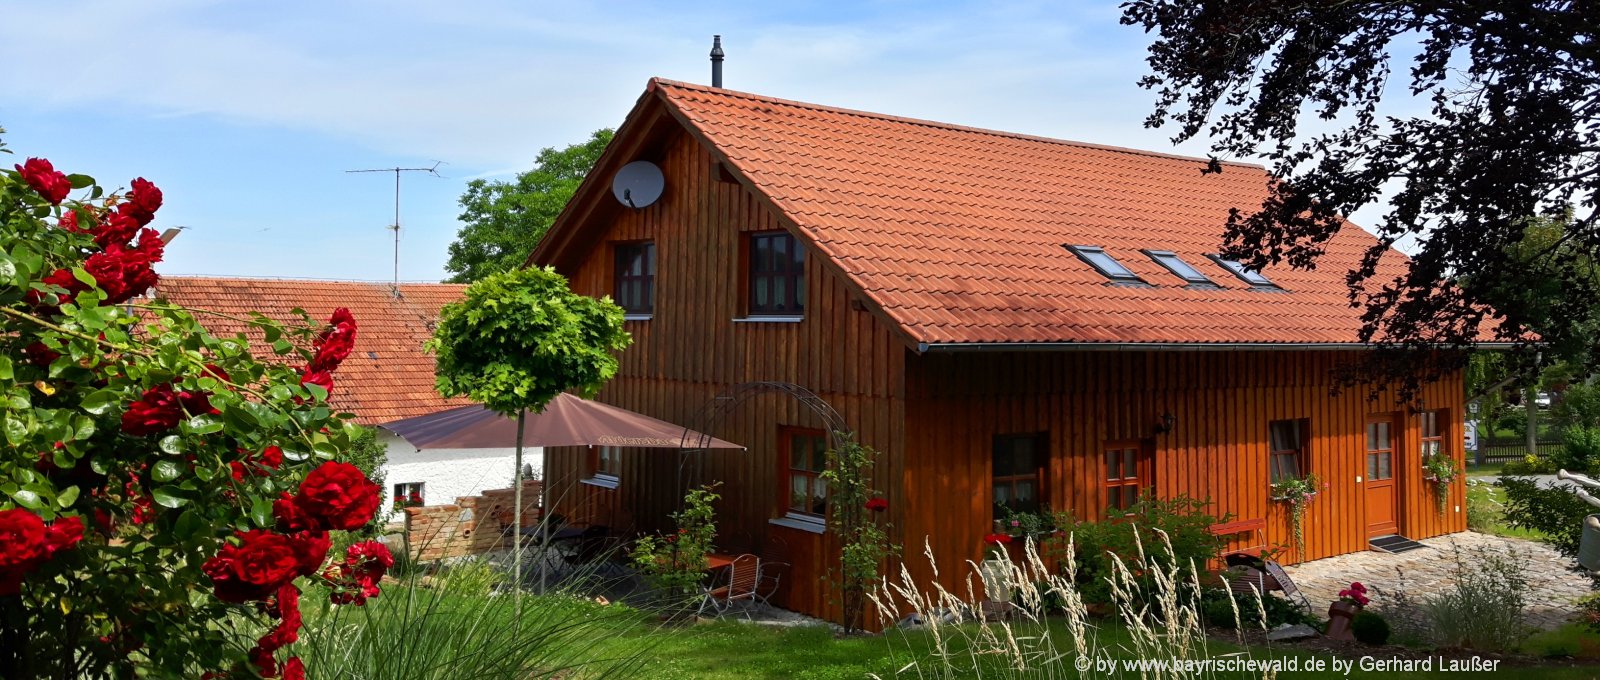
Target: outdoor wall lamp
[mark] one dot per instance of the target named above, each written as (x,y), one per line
(1167,422)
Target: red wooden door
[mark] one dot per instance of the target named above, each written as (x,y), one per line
(1382,495)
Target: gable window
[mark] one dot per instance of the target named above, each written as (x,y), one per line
(1179,268)
(1018,474)
(1246,274)
(1108,266)
(408,495)
(777,266)
(605,466)
(1128,473)
(1433,424)
(635,285)
(804,455)
(1287,444)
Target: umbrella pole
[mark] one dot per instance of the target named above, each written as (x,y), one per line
(516,521)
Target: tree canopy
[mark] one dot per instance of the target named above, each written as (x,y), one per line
(505,220)
(1511,134)
(518,338)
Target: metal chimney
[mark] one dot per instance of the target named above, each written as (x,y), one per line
(716,61)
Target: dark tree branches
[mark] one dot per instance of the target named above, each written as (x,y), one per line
(1497,181)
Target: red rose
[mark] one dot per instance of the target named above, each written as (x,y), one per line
(123,272)
(287,611)
(334,344)
(40,354)
(997,539)
(293,669)
(264,663)
(357,579)
(157,410)
(321,379)
(45,179)
(311,547)
(289,515)
(143,200)
(877,504)
(215,371)
(261,564)
(116,229)
(338,496)
(260,465)
(25,543)
(69,221)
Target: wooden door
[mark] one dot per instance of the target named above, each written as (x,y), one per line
(1382,494)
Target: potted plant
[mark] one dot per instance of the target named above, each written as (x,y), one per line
(1441,470)
(1343,611)
(997,567)
(1297,493)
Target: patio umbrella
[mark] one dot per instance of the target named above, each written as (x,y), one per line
(566,421)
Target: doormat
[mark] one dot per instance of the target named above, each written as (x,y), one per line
(1394,544)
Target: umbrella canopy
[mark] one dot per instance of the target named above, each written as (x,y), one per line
(566,421)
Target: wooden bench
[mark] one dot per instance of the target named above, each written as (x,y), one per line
(1237,527)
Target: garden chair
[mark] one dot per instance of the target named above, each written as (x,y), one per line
(1247,573)
(772,568)
(740,588)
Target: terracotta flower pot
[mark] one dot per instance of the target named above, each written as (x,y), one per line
(1340,614)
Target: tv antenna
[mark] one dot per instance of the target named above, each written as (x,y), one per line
(395,227)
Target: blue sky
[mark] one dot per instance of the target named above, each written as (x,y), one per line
(248,114)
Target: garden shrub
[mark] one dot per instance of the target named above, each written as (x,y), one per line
(1134,533)
(1553,511)
(854,509)
(1485,606)
(1529,465)
(675,564)
(1580,452)
(1579,406)
(1218,611)
(1370,628)
(164,494)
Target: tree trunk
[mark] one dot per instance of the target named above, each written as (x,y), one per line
(1531,408)
(516,521)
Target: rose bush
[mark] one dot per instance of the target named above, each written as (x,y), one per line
(164,493)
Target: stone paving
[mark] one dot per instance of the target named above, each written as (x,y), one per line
(1554,586)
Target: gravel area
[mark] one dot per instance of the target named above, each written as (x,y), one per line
(1419,573)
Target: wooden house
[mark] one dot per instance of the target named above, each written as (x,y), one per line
(1010,320)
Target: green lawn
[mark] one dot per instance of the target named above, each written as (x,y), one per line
(731,649)
(1485,470)
(1486,513)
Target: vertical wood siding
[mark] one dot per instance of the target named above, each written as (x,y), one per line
(1218,450)
(933,417)
(693,349)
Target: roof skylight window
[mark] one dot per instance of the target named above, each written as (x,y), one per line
(1246,274)
(1177,266)
(1105,264)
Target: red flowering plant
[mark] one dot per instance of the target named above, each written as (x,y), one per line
(164,494)
(1355,595)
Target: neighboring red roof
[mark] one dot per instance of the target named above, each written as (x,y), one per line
(957,233)
(387,377)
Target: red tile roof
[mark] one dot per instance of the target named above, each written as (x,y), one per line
(387,377)
(957,233)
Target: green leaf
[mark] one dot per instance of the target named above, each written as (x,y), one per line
(261,512)
(99,402)
(204,424)
(28,499)
(167,497)
(82,428)
(171,444)
(80,181)
(191,524)
(5,362)
(166,470)
(67,497)
(16,430)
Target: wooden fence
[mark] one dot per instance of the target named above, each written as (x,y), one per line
(1503,450)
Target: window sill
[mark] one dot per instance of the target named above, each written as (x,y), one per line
(603,481)
(638,317)
(815,525)
(770,319)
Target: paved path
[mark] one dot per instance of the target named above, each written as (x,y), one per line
(1420,573)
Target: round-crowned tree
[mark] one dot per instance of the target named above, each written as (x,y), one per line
(164,494)
(518,339)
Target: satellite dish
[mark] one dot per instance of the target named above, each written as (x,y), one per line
(638,184)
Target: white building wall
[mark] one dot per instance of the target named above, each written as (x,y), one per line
(449,473)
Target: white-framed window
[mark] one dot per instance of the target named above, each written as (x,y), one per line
(409,495)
